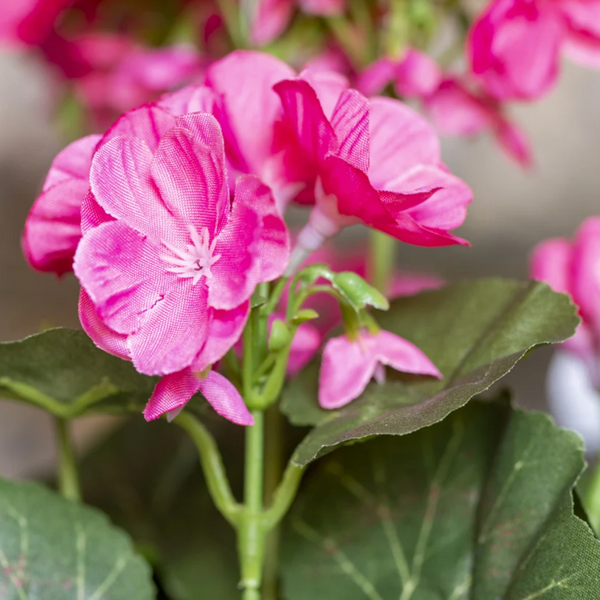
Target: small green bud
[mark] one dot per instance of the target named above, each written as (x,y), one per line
(306,314)
(280,336)
(358,292)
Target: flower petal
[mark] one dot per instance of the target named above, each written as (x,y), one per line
(171,392)
(272,17)
(225,399)
(122,273)
(190,99)
(92,214)
(346,369)
(304,346)
(274,242)
(551,262)
(73,162)
(105,338)
(172,332)
(584,271)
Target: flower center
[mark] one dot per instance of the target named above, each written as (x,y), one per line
(196,260)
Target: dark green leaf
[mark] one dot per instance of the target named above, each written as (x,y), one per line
(474,332)
(61,371)
(478,506)
(54,549)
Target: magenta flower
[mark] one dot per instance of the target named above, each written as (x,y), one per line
(571,267)
(52,229)
(348,365)
(515,45)
(167,261)
(371,161)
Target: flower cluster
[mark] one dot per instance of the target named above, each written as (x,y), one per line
(173,218)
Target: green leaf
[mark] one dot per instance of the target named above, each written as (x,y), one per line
(61,371)
(474,332)
(477,507)
(358,292)
(53,548)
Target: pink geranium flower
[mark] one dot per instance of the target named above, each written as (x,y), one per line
(166,262)
(571,267)
(348,365)
(515,45)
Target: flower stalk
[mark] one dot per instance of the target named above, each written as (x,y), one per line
(68,476)
(593,499)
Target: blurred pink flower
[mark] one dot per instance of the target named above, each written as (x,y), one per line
(571,267)
(348,365)
(514,46)
(169,273)
(52,229)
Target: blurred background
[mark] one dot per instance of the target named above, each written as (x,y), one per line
(513,210)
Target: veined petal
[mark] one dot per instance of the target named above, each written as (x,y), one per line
(223,396)
(92,214)
(171,392)
(73,162)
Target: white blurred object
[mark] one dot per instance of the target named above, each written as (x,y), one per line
(574,402)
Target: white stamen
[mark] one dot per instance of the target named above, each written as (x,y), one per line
(196,260)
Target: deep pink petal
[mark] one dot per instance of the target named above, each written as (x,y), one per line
(224,330)
(237,272)
(52,230)
(402,355)
(171,332)
(244,80)
(583,37)
(72,163)
(189,171)
(121,182)
(105,338)
(272,18)
(446,208)
(584,271)
(346,369)
(400,140)
(148,122)
(225,399)
(171,392)
(122,273)
(350,121)
(274,242)
(551,262)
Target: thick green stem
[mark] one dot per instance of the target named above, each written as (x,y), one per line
(68,477)
(212,466)
(381,260)
(251,536)
(592,503)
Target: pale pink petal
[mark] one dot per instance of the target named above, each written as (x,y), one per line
(147,122)
(346,369)
(188,169)
(171,392)
(584,271)
(224,330)
(171,332)
(244,80)
(377,76)
(237,272)
(92,214)
(323,7)
(225,399)
(122,185)
(551,262)
(73,162)
(190,99)
(122,273)
(409,284)
(400,140)
(515,143)
(52,230)
(400,354)
(445,208)
(350,121)
(272,18)
(583,39)
(274,242)
(328,86)
(304,346)
(418,75)
(105,338)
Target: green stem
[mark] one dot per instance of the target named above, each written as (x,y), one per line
(592,503)
(212,466)
(251,536)
(284,496)
(381,260)
(68,477)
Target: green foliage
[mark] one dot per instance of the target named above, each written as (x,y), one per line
(54,549)
(478,506)
(474,332)
(61,371)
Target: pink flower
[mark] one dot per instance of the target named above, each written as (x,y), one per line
(167,261)
(52,230)
(571,267)
(348,365)
(515,45)
(372,161)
